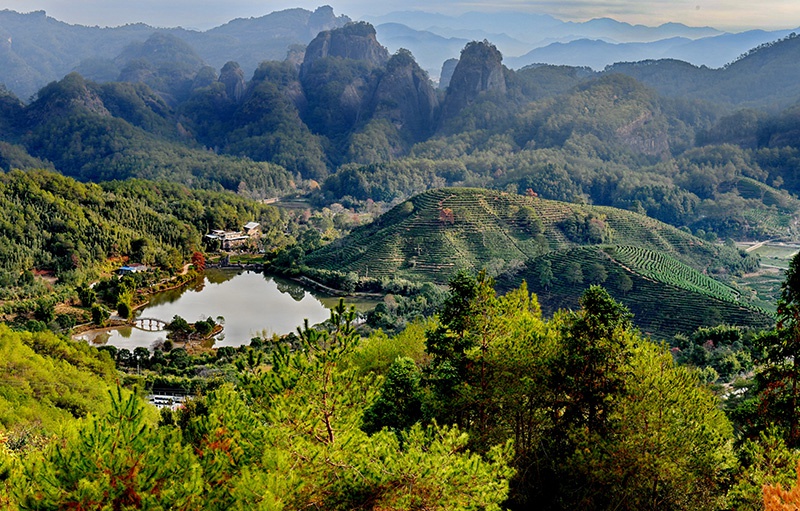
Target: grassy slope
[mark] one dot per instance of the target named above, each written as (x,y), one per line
(452,228)
(666,296)
(419,243)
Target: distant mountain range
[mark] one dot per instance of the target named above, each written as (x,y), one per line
(526,39)
(36,49)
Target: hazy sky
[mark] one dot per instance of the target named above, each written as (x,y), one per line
(203,14)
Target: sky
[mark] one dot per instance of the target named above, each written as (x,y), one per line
(731,15)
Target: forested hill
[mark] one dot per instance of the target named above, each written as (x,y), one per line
(51,222)
(559,248)
(764,77)
(121,130)
(347,122)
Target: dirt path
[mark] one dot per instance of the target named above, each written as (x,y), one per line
(757,245)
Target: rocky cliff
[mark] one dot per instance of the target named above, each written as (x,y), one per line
(479,70)
(232,77)
(354,41)
(405,97)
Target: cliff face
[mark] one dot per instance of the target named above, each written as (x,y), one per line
(232,77)
(337,74)
(354,41)
(405,97)
(323,19)
(448,66)
(644,135)
(479,70)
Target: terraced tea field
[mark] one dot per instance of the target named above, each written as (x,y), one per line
(665,296)
(655,269)
(438,232)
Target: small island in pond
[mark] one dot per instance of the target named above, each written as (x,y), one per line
(181,330)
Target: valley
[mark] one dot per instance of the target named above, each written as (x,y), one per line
(552,264)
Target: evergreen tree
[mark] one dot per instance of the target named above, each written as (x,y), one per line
(780,377)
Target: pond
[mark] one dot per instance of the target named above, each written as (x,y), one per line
(252,304)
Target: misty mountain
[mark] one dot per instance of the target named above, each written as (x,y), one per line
(536,28)
(765,77)
(714,52)
(595,54)
(253,40)
(36,49)
(430,50)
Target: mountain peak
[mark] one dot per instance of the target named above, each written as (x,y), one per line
(479,70)
(354,41)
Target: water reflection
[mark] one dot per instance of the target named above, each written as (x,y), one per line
(250,304)
(292,289)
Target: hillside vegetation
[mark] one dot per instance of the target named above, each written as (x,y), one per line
(346,122)
(45,381)
(559,248)
(435,233)
(51,222)
(666,296)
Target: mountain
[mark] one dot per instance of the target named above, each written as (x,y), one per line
(432,235)
(116,131)
(37,49)
(429,49)
(595,54)
(349,121)
(714,52)
(718,51)
(405,97)
(479,72)
(764,77)
(535,28)
(253,40)
(165,63)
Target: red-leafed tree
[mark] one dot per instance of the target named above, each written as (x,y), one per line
(199,261)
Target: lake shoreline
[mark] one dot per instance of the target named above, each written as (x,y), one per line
(251,304)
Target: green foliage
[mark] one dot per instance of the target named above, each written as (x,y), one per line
(282,441)
(590,367)
(399,405)
(780,375)
(124,309)
(667,296)
(116,461)
(99,314)
(652,460)
(55,223)
(379,351)
(586,229)
(47,380)
(729,351)
(600,417)
(762,460)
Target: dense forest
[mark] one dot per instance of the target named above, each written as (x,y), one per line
(561,320)
(490,405)
(350,123)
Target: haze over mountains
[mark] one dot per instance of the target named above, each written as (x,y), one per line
(335,116)
(37,49)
